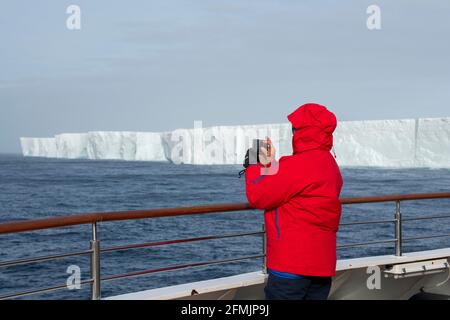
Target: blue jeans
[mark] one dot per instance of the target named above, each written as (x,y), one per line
(303,288)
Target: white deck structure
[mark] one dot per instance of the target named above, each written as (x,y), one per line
(400,277)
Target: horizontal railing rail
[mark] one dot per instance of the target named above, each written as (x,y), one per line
(43,258)
(178,267)
(31,225)
(66,221)
(41,290)
(176,241)
(95,251)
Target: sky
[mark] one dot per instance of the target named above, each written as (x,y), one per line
(159,65)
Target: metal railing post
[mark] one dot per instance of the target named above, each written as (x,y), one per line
(95,264)
(264,267)
(398,229)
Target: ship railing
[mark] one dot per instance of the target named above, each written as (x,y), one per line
(95,251)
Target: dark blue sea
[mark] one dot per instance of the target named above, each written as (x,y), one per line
(34,188)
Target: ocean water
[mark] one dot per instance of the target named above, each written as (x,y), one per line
(34,188)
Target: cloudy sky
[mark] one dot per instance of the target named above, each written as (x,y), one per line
(161,64)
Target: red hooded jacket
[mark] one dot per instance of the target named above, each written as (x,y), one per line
(301,201)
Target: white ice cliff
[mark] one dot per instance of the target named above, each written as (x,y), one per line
(385,143)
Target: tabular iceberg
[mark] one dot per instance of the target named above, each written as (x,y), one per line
(71,145)
(384,143)
(38,147)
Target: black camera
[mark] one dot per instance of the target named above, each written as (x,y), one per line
(257,145)
(253,154)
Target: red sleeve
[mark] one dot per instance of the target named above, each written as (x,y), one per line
(268,188)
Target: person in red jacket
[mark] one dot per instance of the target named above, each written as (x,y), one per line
(300,196)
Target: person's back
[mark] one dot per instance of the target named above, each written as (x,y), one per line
(302,206)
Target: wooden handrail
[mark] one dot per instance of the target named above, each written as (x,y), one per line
(31,225)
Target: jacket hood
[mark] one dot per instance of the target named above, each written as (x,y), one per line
(314,126)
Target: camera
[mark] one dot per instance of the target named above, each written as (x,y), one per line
(257,145)
(253,154)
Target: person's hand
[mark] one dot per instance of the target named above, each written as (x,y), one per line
(267,156)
